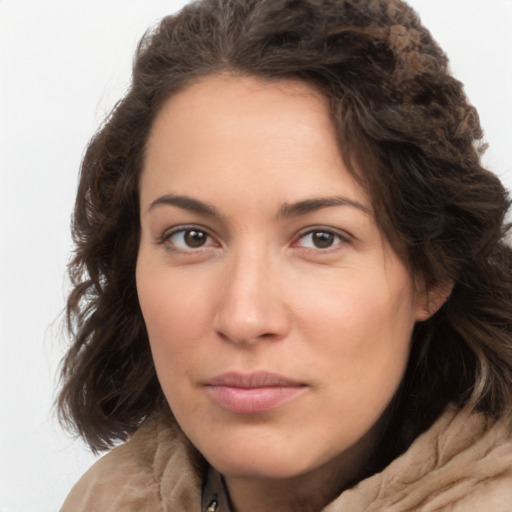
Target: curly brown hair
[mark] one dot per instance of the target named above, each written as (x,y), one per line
(409,136)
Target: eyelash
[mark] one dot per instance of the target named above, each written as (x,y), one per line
(332,237)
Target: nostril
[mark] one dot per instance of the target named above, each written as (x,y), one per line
(246,335)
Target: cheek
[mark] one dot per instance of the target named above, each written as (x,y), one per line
(172,332)
(363,310)
(362,329)
(174,320)
(172,305)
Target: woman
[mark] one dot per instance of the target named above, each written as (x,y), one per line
(292,289)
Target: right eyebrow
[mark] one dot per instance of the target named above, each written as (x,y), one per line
(310,205)
(186,203)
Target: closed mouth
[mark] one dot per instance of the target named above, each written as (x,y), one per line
(252,393)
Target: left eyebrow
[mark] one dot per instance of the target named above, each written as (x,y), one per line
(186,203)
(310,205)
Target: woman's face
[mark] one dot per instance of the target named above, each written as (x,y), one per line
(279,317)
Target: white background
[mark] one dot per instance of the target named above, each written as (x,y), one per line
(63,64)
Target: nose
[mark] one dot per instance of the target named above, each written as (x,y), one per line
(251,304)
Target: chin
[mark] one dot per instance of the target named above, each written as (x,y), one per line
(261,459)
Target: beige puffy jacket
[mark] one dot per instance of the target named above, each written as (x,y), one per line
(463,463)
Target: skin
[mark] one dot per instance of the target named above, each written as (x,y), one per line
(311,292)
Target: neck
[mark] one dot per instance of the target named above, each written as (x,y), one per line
(281,495)
(307,492)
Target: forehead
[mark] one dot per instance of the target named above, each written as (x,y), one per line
(227,129)
(216,106)
(231,86)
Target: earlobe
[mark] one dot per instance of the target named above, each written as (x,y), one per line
(430,300)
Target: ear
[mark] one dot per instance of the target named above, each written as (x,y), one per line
(430,299)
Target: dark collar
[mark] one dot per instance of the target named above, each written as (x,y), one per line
(215,495)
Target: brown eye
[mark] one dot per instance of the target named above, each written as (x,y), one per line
(320,239)
(194,238)
(187,239)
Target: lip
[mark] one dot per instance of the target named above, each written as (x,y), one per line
(252,393)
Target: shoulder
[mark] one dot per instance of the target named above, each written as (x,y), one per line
(116,482)
(157,470)
(463,463)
